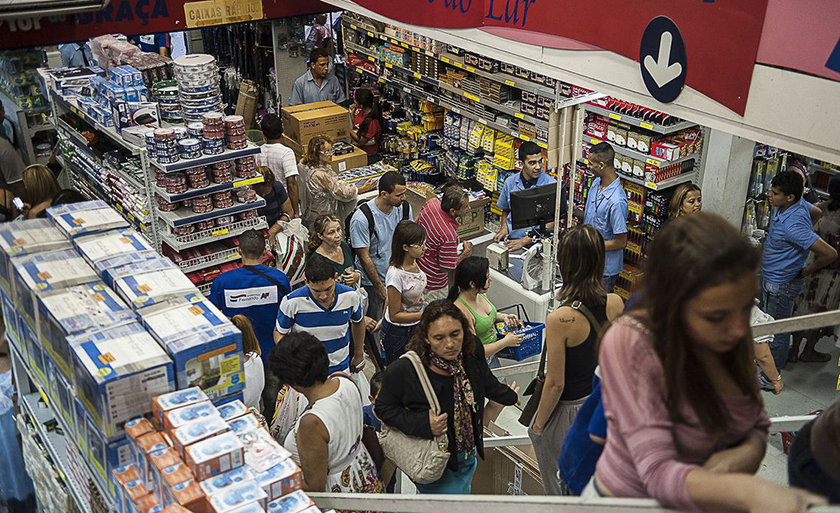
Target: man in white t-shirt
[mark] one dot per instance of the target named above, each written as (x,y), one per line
(279,158)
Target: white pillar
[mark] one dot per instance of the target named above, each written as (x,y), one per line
(726,175)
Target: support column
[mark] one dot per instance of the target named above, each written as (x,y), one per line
(726,175)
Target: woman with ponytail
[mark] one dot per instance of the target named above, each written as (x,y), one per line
(822,289)
(367,124)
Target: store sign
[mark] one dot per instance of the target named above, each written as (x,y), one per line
(720,37)
(662,60)
(134,17)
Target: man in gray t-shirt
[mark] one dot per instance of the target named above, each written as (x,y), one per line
(374,252)
(317,84)
(11,168)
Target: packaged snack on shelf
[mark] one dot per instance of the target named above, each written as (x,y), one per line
(244,424)
(151,282)
(160,460)
(146,445)
(295,502)
(187,495)
(176,418)
(75,219)
(232,410)
(236,496)
(21,238)
(166,402)
(281,479)
(196,431)
(206,347)
(215,456)
(224,481)
(118,371)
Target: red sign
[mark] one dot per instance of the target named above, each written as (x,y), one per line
(129,17)
(721,37)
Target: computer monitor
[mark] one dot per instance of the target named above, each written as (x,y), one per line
(534,206)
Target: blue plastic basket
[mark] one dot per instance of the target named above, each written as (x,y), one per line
(531,344)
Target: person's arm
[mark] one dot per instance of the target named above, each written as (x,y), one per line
(619,242)
(340,97)
(216,294)
(744,458)
(357,330)
(395,307)
(371,273)
(615,306)
(390,405)
(504,206)
(823,256)
(360,241)
(313,446)
(816,214)
(618,223)
(503,227)
(494,389)
(558,326)
(765,361)
(285,320)
(294,197)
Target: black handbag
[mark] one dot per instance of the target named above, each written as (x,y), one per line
(535,388)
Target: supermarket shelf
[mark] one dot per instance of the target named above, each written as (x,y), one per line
(664,184)
(182,242)
(205,261)
(207,159)
(813,168)
(822,194)
(644,157)
(682,125)
(42,128)
(110,132)
(419,93)
(204,288)
(194,193)
(184,216)
(361,50)
(577,100)
(360,70)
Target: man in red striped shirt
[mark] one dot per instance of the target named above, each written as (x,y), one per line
(439,218)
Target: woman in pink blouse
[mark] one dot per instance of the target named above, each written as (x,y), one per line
(685,420)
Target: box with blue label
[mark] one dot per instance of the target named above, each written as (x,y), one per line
(106,268)
(37,354)
(118,371)
(127,113)
(61,391)
(151,282)
(205,346)
(80,424)
(106,455)
(21,238)
(45,273)
(85,218)
(66,312)
(115,243)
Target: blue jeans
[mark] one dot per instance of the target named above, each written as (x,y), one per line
(394,340)
(457,482)
(609,282)
(778,301)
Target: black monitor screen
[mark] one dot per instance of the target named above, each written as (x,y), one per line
(533,206)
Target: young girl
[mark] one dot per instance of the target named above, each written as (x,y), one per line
(367,124)
(685,422)
(254,371)
(405,283)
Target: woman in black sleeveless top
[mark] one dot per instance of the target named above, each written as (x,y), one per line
(571,342)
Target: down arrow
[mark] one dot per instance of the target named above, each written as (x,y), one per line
(660,69)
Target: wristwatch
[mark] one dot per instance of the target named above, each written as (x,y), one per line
(777,379)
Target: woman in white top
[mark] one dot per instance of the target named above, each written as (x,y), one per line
(405,283)
(254,371)
(327,439)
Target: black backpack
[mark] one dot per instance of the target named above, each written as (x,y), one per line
(365,208)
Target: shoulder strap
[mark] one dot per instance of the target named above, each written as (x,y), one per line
(424,380)
(405,207)
(580,307)
(267,277)
(365,208)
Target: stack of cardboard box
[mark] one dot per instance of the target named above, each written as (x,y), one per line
(303,122)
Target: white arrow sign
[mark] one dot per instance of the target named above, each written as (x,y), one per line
(659,69)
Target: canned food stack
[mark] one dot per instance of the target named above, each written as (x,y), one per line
(189,148)
(213,133)
(198,86)
(246,167)
(235,132)
(197,177)
(165,93)
(165,146)
(221,172)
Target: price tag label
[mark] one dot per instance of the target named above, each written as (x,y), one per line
(595,141)
(510,83)
(519,115)
(482,121)
(404,45)
(650,185)
(542,145)
(615,116)
(445,59)
(525,138)
(407,90)
(456,110)
(370,34)
(223,231)
(418,76)
(248,181)
(389,65)
(130,217)
(646,125)
(359,71)
(415,48)
(354,27)
(119,207)
(381,80)
(472,97)
(515,133)
(652,162)
(233,256)
(470,69)
(430,99)
(371,59)
(457,64)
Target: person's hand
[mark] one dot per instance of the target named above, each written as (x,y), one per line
(370,323)
(350,278)
(512,340)
(778,386)
(512,321)
(783,499)
(502,233)
(537,429)
(357,363)
(514,244)
(381,293)
(468,249)
(369,186)
(437,423)
(272,234)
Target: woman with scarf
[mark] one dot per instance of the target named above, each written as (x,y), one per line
(454,360)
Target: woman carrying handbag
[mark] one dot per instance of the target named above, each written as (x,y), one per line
(453,362)
(571,337)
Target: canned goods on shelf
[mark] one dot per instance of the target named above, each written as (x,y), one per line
(235,132)
(212,119)
(234,121)
(214,151)
(189,144)
(165,146)
(213,135)
(246,161)
(166,206)
(246,173)
(199,183)
(176,188)
(167,159)
(190,155)
(183,230)
(246,215)
(219,178)
(225,220)
(205,225)
(180,132)
(195,130)
(164,134)
(225,164)
(241,145)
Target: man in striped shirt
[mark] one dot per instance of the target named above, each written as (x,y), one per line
(440,219)
(327,310)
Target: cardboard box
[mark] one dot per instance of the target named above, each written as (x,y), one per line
(215,456)
(150,282)
(134,429)
(166,402)
(22,238)
(118,371)
(472,224)
(105,455)
(280,480)
(196,431)
(507,470)
(224,481)
(244,424)
(188,495)
(232,410)
(160,460)
(146,445)
(174,419)
(236,496)
(303,122)
(293,503)
(251,507)
(103,246)
(75,219)
(246,103)
(205,346)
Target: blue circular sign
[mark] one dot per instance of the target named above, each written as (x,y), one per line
(662,59)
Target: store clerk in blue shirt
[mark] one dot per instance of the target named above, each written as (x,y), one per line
(606,210)
(785,254)
(532,175)
(153,43)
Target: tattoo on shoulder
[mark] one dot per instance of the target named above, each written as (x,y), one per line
(566,320)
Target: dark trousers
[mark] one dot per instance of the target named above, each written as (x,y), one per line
(805,472)
(394,340)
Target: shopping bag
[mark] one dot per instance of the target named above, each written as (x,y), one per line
(290,404)
(290,248)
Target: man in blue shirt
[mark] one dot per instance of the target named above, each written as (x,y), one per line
(76,55)
(153,43)
(255,291)
(373,246)
(531,176)
(606,210)
(317,84)
(783,268)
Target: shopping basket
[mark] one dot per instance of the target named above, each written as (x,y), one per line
(532,337)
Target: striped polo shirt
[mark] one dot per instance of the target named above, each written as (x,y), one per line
(441,244)
(299,311)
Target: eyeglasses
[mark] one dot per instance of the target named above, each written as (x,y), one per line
(327,152)
(418,246)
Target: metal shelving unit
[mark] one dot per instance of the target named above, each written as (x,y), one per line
(644,157)
(664,184)
(655,127)
(182,242)
(25,132)
(206,160)
(205,261)
(185,216)
(204,191)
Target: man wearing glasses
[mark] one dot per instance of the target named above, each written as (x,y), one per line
(532,175)
(317,84)
(606,210)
